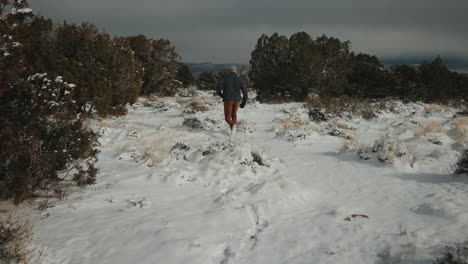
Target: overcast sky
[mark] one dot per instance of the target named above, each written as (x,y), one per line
(226,31)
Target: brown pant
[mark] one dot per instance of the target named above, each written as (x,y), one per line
(230,112)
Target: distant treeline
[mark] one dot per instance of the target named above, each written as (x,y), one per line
(51,76)
(300,66)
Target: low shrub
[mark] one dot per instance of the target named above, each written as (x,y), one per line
(352,142)
(42,137)
(317,115)
(462,164)
(390,149)
(338,106)
(453,255)
(294,128)
(15,237)
(152,157)
(197,105)
(193,123)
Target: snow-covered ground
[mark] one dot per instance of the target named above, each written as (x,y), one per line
(280,190)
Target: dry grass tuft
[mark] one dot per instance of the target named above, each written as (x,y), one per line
(45,204)
(419,131)
(431,108)
(152,158)
(151,97)
(285,124)
(460,122)
(294,128)
(411,152)
(294,121)
(15,237)
(433,127)
(460,130)
(352,142)
(342,125)
(390,149)
(148,151)
(197,105)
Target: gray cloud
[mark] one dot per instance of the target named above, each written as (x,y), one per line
(226,31)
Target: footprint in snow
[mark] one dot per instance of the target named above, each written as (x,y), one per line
(223,254)
(251,238)
(140,203)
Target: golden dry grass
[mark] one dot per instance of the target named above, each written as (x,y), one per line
(460,130)
(352,142)
(433,108)
(433,127)
(151,157)
(197,105)
(459,122)
(342,125)
(291,123)
(419,132)
(151,97)
(15,237)
(411,152)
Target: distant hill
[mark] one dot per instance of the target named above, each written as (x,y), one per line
(211,67)
(465,72)
(453,63)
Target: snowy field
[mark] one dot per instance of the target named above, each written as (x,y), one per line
(280,190)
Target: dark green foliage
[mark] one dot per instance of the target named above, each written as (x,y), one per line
(304,70)
(37,39)
(108,72)
(437,80)
(334,65)
(207,81)
(369,78)
(43,137)
(85,56)
(429,81)
(296,68)
(125,75)
(408,81)
(160,64)
(185,76)
(269,67)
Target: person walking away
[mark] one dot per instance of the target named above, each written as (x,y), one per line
(230,90)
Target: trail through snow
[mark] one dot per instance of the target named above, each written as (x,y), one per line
(167,193)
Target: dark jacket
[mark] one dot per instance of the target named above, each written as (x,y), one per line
(230,88)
